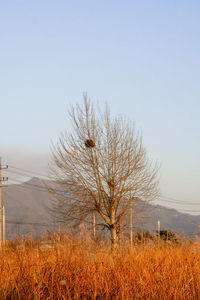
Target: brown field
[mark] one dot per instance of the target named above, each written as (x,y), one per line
(62,267)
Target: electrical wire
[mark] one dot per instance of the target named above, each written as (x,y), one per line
(165,199)
(75,218)
(188,210)
(178,202)
(28,186)
(28,171)
(38,188)
(162,198)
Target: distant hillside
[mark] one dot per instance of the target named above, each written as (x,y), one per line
(170,219)
(27,203)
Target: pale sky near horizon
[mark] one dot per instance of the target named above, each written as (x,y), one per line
(141,57)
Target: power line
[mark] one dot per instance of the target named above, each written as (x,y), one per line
(165,199)
(20,173)
(173,200)
(29,186)
(188,210)
(35,187)
(27,183)
(74,218)
(40,189)
(178,202)
(28,171)
(31,223)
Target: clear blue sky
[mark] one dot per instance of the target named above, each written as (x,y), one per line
(142,57)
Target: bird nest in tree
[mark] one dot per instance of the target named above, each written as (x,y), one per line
(89,143)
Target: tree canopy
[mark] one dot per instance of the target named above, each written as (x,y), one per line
(102,166)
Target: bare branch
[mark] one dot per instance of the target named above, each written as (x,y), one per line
(99,165)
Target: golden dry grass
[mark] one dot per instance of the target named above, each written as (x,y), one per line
(64,268)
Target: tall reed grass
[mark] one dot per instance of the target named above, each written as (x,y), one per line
(62,267)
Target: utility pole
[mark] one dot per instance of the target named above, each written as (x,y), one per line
(1,180)
(131,225)
(4,226)
(131,220)
(0,207)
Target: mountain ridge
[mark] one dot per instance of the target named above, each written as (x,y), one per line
(26,211)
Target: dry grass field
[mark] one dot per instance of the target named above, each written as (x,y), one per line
(62,267)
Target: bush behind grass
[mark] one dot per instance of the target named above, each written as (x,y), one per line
(63,267)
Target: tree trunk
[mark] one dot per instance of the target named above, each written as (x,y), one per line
(113,233)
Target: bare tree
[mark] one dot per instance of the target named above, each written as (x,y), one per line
(102,167)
